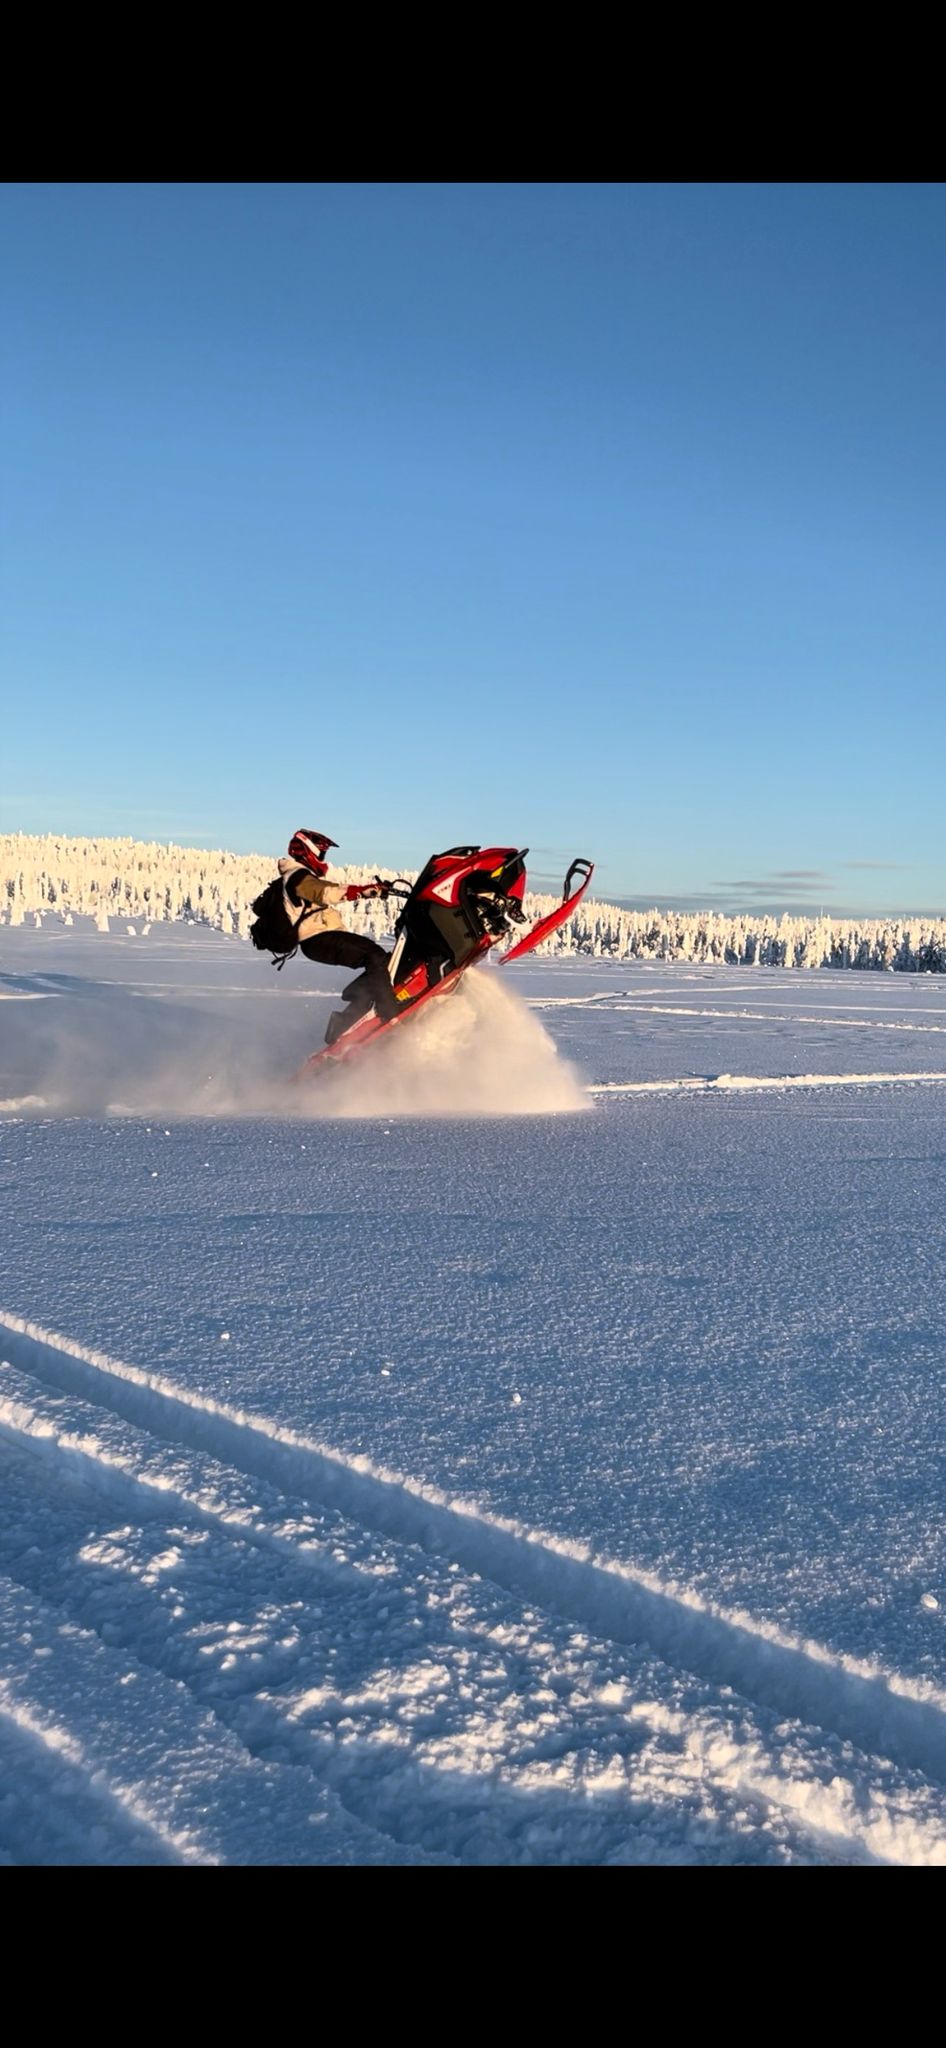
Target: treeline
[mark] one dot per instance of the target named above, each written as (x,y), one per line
(150,882)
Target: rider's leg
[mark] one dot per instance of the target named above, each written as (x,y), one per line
(373,987)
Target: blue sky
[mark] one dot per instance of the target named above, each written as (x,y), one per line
(607,519)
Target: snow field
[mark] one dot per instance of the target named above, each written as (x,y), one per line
(551,1474)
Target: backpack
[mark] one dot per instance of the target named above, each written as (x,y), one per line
(273,932)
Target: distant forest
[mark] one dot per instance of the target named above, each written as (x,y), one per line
(150,882)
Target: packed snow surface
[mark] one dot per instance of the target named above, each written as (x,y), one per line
(526,1449)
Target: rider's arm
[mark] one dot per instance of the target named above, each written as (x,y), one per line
(306,888)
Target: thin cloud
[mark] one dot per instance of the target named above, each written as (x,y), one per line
(784,892)
(889,867)
(769,883)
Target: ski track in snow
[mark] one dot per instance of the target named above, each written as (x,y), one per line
(729,1015)
(567,1708)
(723,1083)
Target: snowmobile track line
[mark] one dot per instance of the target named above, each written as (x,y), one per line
(877,1713)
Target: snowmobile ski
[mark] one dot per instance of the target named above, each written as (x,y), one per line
(560,915)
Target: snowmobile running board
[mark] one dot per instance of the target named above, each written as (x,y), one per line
(416,991)
(372,1027)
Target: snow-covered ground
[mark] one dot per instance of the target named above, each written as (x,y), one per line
(556,1481)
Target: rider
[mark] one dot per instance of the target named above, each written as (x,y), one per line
(310,903)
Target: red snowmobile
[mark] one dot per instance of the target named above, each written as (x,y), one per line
(462,904)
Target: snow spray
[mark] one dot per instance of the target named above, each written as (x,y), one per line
(476,1052)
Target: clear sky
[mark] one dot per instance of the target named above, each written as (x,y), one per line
(603,518)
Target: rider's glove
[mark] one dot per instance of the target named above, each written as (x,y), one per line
(356,890)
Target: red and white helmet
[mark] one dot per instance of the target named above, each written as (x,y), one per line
(308,848)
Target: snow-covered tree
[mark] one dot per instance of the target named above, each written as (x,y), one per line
(131,879)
